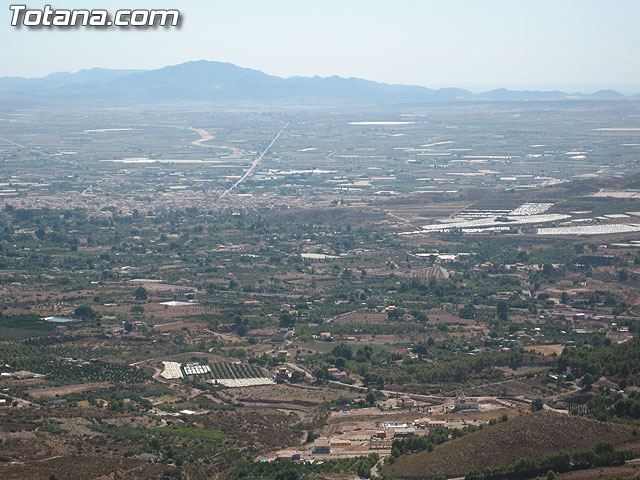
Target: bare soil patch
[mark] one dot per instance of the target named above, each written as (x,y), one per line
(49,392)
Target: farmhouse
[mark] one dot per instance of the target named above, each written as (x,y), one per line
(463,403)
(427,422)
(288,457)
(404,432)
(322,445)
(406,402)
(336,374)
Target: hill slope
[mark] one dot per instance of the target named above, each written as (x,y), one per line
(532,436)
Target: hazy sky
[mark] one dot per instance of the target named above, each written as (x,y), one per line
(477,44)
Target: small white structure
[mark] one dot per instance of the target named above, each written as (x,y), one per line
(178,303)
(242,382)
(196,369)
(171,370)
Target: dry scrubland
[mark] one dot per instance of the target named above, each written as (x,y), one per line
(533,436)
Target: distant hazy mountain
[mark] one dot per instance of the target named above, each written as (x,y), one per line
(502,94)
(225,83)
(61,79)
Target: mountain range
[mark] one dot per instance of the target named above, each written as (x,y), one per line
(227,84)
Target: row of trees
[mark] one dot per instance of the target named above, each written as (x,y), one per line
(360,466)
(606,407)
(419,443)
(603,455)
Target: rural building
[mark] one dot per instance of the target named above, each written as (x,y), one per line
(336,374)
(464,403)
(404,432)
(427,422)
(380,444)
(322,446)
(288,457)
(406,402)
(196,369)
(148,457)
(338,442)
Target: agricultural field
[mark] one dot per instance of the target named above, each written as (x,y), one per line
(235,371)
(376,277)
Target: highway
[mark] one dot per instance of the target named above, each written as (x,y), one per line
(254,164)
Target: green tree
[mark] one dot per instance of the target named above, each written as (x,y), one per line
(468,311)
(503,311)
(537,405)
(85,312)
(587,380)
(287,320)
(296,376)
(343,351)
(141,293)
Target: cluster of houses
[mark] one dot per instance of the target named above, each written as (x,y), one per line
(383,437)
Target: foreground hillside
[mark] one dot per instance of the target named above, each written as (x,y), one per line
(532,436)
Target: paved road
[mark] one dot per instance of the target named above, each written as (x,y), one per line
(12,143)
(293,366)
(392,393)
(255,163)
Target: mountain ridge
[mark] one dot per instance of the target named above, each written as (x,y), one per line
(225,83)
